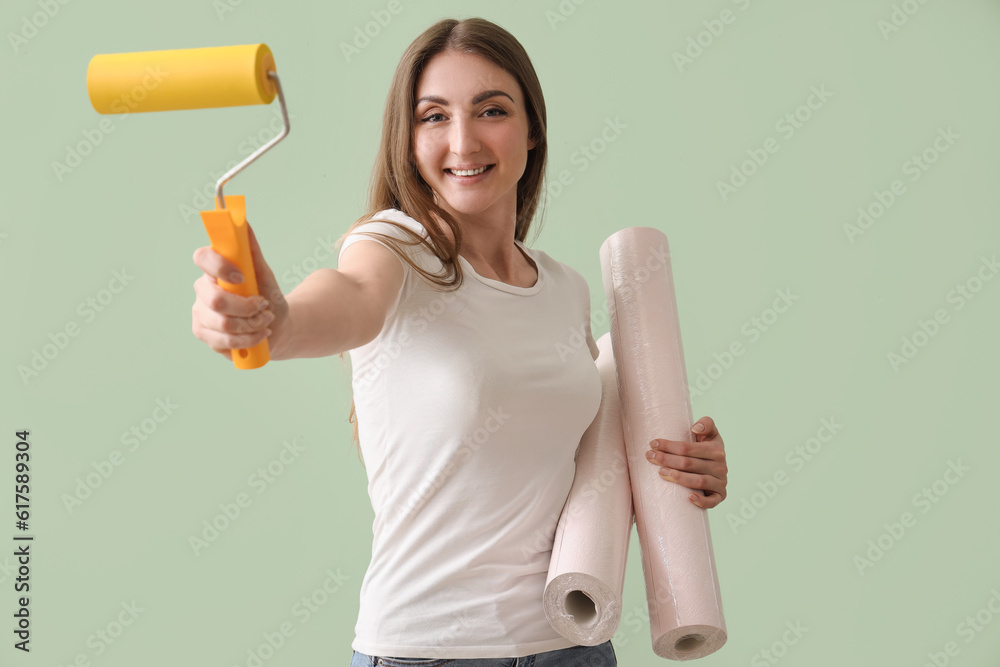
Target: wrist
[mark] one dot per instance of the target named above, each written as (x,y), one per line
(281,341)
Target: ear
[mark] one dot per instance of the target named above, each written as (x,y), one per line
(531,143)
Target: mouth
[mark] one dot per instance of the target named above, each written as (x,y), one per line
(468,175)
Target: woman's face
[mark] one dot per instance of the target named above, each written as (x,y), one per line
(470,114)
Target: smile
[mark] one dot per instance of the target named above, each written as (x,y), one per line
(466,173)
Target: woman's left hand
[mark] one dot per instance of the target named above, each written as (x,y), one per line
(698,464)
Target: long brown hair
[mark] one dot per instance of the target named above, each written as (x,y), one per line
(395,180)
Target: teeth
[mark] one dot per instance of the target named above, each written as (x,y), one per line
(468,172)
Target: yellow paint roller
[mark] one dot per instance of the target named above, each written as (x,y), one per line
(223,76)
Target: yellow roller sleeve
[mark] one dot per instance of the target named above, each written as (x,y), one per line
(219,76)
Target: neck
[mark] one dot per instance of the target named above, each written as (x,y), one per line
(488,242)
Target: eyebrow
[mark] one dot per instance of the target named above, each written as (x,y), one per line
(485,95)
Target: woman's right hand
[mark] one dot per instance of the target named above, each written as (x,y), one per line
(227,321)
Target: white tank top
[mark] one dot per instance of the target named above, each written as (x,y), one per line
(470,409)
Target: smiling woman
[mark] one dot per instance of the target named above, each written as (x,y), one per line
(469,403)
(468,417)
(472,154)
(504,97)
(462,92)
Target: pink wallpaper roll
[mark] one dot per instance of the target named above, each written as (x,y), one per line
(583,591)
(682,585)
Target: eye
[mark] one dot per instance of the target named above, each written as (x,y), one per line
(500,112)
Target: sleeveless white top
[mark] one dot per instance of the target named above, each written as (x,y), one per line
(470,407)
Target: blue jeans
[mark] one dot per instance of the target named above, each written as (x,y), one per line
(602,655)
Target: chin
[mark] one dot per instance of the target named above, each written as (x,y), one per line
(466,207)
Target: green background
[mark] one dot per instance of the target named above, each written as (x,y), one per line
(794,561)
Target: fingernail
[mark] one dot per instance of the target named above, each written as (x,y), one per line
(262,303)
(665,474)
(698,428)
(652,444)
(651,455)
(236,277)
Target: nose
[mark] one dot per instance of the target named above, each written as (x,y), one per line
(463,137)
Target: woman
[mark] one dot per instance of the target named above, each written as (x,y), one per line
(467,405)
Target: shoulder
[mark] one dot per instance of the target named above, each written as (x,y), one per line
(402,234)
(573,282)
(382,222)
(560,271)
(391,223)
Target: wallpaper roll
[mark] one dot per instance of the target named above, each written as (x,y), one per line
(583,591)
(682,585)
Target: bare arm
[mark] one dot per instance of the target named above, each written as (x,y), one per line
(335,310)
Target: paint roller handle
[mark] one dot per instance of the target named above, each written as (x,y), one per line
(222,320)
(235,321)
